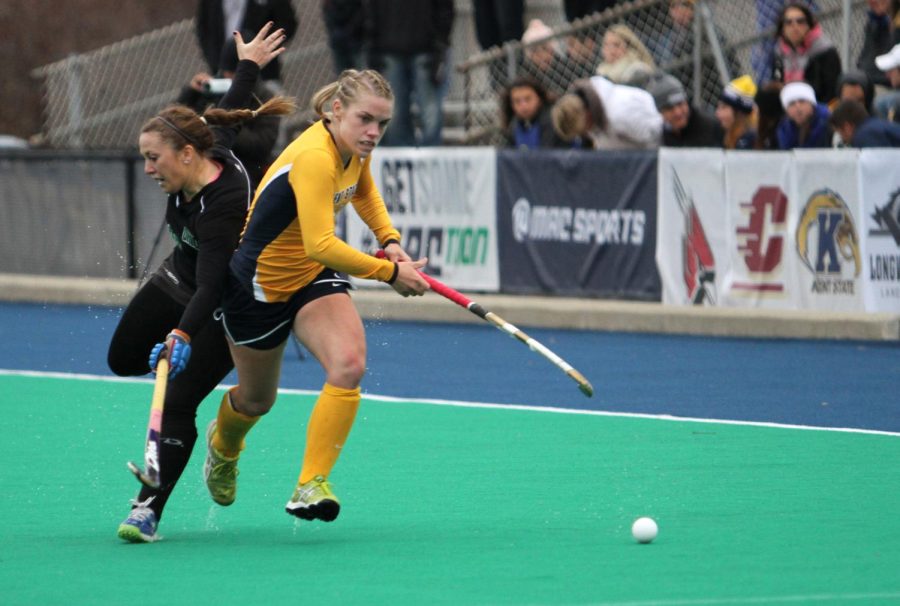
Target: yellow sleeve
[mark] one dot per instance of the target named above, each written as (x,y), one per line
(313,177)
(370,207)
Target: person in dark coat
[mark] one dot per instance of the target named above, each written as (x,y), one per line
(858,129)
(803,53)
(855,85)
(805,123)
(879,37)
(684,125)
(525,116)
(214,25)
(409,43)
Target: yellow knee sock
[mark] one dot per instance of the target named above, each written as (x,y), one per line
(329,425)
(231,427)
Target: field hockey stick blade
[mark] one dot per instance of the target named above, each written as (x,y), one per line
(149,475)
(534,345)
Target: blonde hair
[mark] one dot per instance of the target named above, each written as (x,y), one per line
(349,87)
(633,44)
(569,117)
(179,125)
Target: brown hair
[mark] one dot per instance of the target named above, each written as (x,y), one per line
(178,125)
(743,122)
(803,8)
(349,87)
(506,110)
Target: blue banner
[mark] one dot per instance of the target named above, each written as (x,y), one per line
(578,223)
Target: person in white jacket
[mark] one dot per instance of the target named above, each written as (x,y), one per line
(608,115)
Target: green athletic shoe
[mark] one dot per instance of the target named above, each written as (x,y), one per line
(219,471)
(314,501)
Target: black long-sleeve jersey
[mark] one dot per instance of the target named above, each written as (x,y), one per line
(207,228)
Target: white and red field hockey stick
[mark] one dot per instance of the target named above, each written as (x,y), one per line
(149,476)
(463,301)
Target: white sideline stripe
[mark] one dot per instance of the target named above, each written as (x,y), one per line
(786,599)
(490,405)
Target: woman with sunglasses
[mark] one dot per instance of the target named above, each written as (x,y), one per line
(804,53)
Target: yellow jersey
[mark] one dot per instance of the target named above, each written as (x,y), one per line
(289,237)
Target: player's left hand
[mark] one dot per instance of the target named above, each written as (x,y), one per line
(264,47)
(177,350)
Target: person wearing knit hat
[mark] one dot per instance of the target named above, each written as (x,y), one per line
(854,85)
(736,114)
(683,124)
(542,53)
(805,123)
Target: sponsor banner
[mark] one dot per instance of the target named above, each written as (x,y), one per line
(879,226)
(691,243)
(771,229)
(759,243)
(577,224)
(443,201)
(824,220)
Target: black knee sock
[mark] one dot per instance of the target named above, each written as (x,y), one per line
(179,433)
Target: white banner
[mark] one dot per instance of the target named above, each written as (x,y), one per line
(691,243)
(824,219)
(879,227)
(779,230)
(759,242)
(443,201)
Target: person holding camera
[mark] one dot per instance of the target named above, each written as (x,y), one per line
(408,41)
(255,143)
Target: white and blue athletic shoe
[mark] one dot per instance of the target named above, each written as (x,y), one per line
(140,525)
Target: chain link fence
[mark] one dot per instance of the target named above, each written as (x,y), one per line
(99,100)
(725,39)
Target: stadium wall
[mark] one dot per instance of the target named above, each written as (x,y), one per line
(558,238)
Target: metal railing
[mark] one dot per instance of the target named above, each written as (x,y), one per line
(724,40)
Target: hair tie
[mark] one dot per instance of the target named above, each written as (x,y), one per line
(186,136)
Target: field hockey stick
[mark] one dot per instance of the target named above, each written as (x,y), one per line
(457,297)
(149,476)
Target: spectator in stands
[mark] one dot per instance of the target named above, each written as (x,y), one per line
(344,23)
(761,57)
(409,43)
(887,103)
(854,85)
(857,128)
(684,125)
(625,58)
(805,123)
(736,113)
(676,45)
(542,57)
(525,114)
(879,36)
(498,21)
(769,113)
(217,19)
(578,9)
(606,115)
(582,53)
(256,139)
(804,53)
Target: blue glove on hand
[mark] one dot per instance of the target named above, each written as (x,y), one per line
(176,349)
